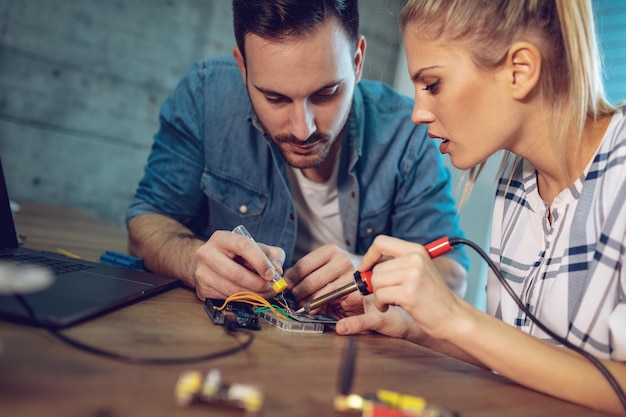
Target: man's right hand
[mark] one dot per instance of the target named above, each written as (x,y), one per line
(217,268)
(228,263)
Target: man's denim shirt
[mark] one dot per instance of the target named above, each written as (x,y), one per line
(212,168)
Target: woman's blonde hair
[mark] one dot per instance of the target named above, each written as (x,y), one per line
(562,30)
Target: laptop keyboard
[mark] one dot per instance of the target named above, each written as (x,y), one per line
(57,266)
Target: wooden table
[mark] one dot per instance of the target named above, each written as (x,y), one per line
(298,373)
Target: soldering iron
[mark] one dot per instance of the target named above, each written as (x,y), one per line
(362,279)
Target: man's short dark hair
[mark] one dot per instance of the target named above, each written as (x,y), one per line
(281,19)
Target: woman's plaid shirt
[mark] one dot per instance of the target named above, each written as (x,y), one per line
(568,273)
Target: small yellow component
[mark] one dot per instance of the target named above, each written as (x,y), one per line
(250,397)
(196,387)
(401,401)
(68,253)
(279,285)
(351,402)
(212,383)
(187,387)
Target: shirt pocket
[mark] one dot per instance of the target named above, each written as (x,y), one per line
(231,203)
(372,224)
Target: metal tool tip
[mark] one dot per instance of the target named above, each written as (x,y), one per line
(300,310)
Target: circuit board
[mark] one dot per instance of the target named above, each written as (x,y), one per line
(245,316)
(243,313)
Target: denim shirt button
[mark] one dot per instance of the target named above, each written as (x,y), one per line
(369,230)
(292,216)
(243,209)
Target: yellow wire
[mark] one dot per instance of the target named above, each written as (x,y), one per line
(253,299)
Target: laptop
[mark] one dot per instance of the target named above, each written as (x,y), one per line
(81,289)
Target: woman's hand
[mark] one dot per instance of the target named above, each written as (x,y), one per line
(409,279)
(394,322)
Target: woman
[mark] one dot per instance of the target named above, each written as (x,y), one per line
(521,76)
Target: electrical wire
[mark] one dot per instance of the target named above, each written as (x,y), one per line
(595,361)
(231,328)
(256,301)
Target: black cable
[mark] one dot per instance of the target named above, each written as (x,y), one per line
(605,372)
(346,372)
(231,329)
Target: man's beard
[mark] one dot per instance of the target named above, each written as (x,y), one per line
(304,161)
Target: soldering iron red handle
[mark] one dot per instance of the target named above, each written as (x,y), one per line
(436,248)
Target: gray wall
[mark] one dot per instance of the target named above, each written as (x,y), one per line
(81,83)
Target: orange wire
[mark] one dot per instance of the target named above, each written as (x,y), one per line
(251,298)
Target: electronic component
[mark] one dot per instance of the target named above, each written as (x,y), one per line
(291,325)
(122,259)
(241,313)
(193,387)
(311,318)
(245,308)
(298,322)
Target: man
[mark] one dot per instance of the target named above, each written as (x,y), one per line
(287,140)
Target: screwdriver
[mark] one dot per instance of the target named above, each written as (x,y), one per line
(278,283)
(362,280)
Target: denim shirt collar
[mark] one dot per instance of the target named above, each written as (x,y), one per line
(255,121)
(354,127)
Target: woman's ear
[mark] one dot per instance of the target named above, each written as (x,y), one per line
(524,65)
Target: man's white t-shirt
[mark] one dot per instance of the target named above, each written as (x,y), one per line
(317,204)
